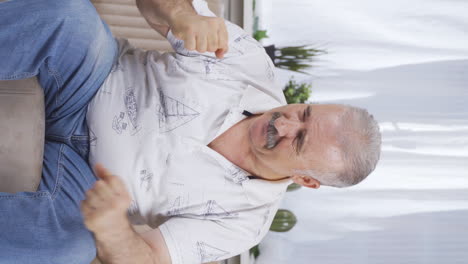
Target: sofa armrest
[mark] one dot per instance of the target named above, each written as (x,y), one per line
(22,124)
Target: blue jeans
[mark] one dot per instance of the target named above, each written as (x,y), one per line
(71,51)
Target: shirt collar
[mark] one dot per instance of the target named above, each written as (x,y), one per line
(258,191)
(256,100)
(261,192)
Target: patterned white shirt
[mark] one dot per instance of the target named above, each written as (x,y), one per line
(150,124)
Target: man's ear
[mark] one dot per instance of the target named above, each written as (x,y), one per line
(306,181)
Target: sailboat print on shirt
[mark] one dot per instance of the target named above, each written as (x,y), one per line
(173,114)
(210,209)
(209,253)
(128,120)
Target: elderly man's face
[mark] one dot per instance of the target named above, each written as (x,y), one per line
(297,136)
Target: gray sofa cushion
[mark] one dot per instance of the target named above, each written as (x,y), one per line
(21,135)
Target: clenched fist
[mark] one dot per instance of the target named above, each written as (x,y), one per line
(105,207)
(201,33)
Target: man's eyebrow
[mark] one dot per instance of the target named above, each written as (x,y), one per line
(307,111)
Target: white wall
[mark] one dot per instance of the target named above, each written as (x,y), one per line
(407,63)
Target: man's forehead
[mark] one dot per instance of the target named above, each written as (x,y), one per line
(322,134)
(328,156)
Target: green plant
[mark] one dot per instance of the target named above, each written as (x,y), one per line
(296,58)
(255,251)
(284,221)
(296,93)
(260,34)
(293,187)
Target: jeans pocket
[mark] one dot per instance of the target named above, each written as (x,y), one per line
(81,145)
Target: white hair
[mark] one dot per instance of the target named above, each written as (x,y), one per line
(325,178)
(359,142)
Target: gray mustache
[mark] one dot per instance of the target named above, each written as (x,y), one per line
(272,133)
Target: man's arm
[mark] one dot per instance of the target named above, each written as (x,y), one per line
(199,33)
(159,13)
(124,245)
(104,211)
(162,12)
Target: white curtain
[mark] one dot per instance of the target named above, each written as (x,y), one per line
(407,63)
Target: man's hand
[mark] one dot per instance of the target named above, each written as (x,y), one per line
(105,207)
(201,33)
(105,214)
(198,32)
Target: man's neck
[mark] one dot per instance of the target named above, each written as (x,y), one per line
(234,145)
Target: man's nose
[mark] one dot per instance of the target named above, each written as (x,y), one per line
(287,127)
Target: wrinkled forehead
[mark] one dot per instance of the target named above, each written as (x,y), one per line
(329,155)
(324,132)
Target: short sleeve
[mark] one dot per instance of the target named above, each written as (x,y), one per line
(246,60)
(194,241)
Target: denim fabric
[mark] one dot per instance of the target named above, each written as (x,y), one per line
(71,51)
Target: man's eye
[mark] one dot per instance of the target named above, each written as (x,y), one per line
(299,141)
